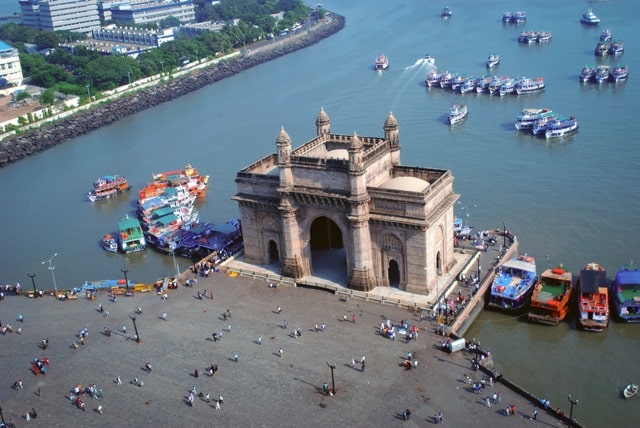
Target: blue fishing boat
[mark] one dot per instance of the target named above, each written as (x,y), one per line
(513,285)
(625,293)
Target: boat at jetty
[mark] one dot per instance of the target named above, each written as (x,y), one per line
(131,235)
(542,123)
(528,85)
(587,74)
(619,73)
(513,284)
(508,87)
(625,293)
(493,60)
(108,186)
(457,113)
(469,85)
(382,62)
(188,178)
(561,127)
(593,298)
(528,116)
(433,78)
(630,390)
(551,296)
(109,243)
(590,18)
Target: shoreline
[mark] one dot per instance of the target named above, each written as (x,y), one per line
(49,135)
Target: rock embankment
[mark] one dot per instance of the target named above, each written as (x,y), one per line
(50,135)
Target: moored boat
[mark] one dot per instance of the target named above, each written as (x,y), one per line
(603,73)
(457,82)
(625,293)
(544,36)
(131,235)
(109,243)
(457,113)
(589,18)
(482,84)
(630,390)
(469,85)
(433,78)
(519,18)
(108,186)
(446,12)
(493,60)
(528,85)
(445,80)
(508,87)
(382,62)
(542,123)
(602,49)
(496,83)
(551,297)
(616,48)
(606,35)
(588,74)
(513,284)
(561,127)
(527,117)
(507,17)
(619,72)
(593,298)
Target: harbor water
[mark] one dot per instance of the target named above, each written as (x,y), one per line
(570,201)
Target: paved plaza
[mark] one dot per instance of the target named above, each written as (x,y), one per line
(263,388)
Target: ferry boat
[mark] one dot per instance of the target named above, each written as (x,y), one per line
(457,82)
(469,85)
(131,235)
(433,78)
(507,17)
(189,178)
(429,60)
(513,284)
(508,87)
(493,60)
(446,12)
(590,18)
(528,85)
(496,83)
(382,62)
(544,36)
(551,297)
(519,18)
(625,293)
(602,49)
(593,298)
(108,186)
(528,116)
(482,84)
(561,127)
(618,73)
(527,37)
(457,113)
(616,48)
(109,243)
(588,74)
(542,123)
(606,35)
(603,72)
(445,80)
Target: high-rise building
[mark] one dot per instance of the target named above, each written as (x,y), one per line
(10,68)
(80,16)
(152,11)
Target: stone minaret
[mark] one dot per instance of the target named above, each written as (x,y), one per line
(323,124)
(391,131)
(361,276)
(291,251)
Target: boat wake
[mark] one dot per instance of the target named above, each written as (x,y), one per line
(425,63)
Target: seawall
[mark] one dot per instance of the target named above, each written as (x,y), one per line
(50,135)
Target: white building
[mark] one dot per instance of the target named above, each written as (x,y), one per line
(80,16)
(10,68)
(152,11)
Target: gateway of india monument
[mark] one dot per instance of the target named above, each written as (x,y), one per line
(393,224)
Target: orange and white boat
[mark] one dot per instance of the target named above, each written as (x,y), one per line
(551,296)
(108,186)
(188,177)
(593,298)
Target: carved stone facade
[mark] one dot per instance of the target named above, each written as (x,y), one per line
(394,223)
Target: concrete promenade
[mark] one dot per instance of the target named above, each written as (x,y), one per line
(261,389)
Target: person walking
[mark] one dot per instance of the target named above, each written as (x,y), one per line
(406,415)
(195,373)
(487,402)
(260,340)
(280,351)
(440,418)
(534,415)
(353,362)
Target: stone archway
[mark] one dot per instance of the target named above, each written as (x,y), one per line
(393,274)
(274,254)
(327,248)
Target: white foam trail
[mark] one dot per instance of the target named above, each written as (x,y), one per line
(421,63)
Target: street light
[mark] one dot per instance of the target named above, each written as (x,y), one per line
(571,410)
(175,264)
(126,281)
(162,65)
(476,345)
(88,86)
(135,327)
(479,268)
(33,281)
(129,77)
(52,268)
(333,381)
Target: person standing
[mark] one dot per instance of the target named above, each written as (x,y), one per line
(440,418)
(195,373)
(406,415)
(280,351)
(534,416)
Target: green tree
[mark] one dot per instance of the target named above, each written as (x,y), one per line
(47,40)
(47,97)
(168,22)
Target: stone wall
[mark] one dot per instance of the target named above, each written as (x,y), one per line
(50,135)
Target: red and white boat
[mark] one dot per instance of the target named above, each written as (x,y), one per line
(382,62)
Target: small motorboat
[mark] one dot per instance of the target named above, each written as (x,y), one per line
(630,390)
(493,60)
(429,60)
(446,12)
(109,243)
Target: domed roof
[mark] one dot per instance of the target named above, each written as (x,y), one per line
(323,117)
(410,184)
(283,137)
(356,143)
(390,122)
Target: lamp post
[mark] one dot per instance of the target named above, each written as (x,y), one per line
(333,381)
(135,327)
(573,402)
(33,281)
(88,86)
(129,77)
(126,281)
(52,268)
(479,268)
(162,65)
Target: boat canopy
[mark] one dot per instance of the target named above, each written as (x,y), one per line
(628,277)
(162,211)
(167,219)
(129,223)
(591,280)
(520,264)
